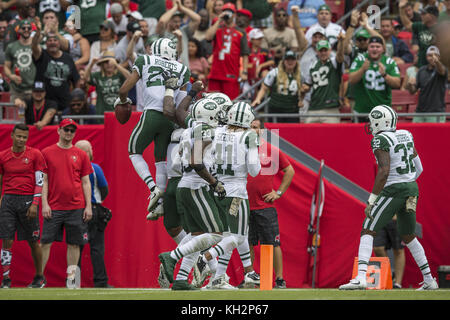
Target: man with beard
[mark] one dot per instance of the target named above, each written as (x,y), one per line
(200,33)
(55,68)
(19,67)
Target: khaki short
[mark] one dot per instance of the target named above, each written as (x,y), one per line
(322,119)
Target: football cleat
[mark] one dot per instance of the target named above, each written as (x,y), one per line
(431,285)
(168,264)
(251,280)
(354,284)
(156,213)
(155,194)
(280,284)
(183,285)
(220,283)
(162,279)
(38,282)
(201,272)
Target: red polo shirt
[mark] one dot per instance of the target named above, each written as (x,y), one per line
(272,162)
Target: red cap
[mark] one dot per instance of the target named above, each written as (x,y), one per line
(245,12)
(68,122)
(229,6)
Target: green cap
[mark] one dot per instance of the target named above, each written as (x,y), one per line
(24,22)
(363,33)
(324,7)
(323,44)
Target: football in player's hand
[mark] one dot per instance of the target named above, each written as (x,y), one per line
(123,112)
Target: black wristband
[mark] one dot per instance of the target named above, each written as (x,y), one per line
(192,93)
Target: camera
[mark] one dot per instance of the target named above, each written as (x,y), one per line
(228,15)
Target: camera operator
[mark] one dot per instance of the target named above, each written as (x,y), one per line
(229,44)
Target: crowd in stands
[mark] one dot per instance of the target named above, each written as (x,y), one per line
(296,52)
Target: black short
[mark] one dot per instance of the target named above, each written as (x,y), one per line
(263,227)
(388,237)
(13,217)
(71,221)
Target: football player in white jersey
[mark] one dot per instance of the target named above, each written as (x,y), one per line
(152,125)
(395,191)
(235,148)
(195,194)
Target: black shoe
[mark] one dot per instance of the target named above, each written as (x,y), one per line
(280,284)
(103,285)
(38,282)
(6,283)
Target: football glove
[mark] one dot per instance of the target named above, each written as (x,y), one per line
(367,211)
(219,189)
(170,80)
(118,101)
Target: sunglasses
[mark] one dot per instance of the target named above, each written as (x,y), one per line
(69,130)
(281,15)
(76,104)
(26,28)
(362,39)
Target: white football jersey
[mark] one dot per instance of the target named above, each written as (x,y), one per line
(150,69)
(236,155)
(198,133)
(400,145)
(173,155)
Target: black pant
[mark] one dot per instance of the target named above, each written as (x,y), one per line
(97,245)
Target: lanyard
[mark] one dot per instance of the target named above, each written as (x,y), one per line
(37,117)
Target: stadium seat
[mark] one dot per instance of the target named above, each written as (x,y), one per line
(402,68)
(402,102)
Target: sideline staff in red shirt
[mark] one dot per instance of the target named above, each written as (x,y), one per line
(21,178)
(263,224)
(66,196)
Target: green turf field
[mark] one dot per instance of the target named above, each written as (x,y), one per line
(247,294)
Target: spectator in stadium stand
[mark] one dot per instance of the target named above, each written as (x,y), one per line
(55,68)
(133,30)
(424,31)
(107,81)
(261,12)
(151,11)
(22,8)
(324,78)
(259,60)
(169,25)
(280,36)
(431,83)
(412,15)
(332,30)
(214,8)
(106,42)
(396,48)
(92,12)
(374,76)
(79,106)
(39,111)
(263,220)
(50,24)
(309,10)
(3,26)
(145,30)
(200,33)
(58,6)
(80,51)
(243,18)
(119,19)
(21,170)
(66,196)
(97,225)
(19,66)
(230,44)
(283,83)
(445,14)
(198,64)
(191,5)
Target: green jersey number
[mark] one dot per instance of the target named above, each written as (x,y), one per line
(229,158)
(319,77)
(373,81)
(407,158)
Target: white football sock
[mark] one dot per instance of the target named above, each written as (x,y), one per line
(197,243)
(418,253)
(364,254)
(141,167)
(180,236)
(186,266)
(161,175)
(244,252)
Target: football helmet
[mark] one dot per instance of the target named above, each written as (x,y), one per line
(382,118)
(207,111)
(224,103)
(165,48)
(241,115)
